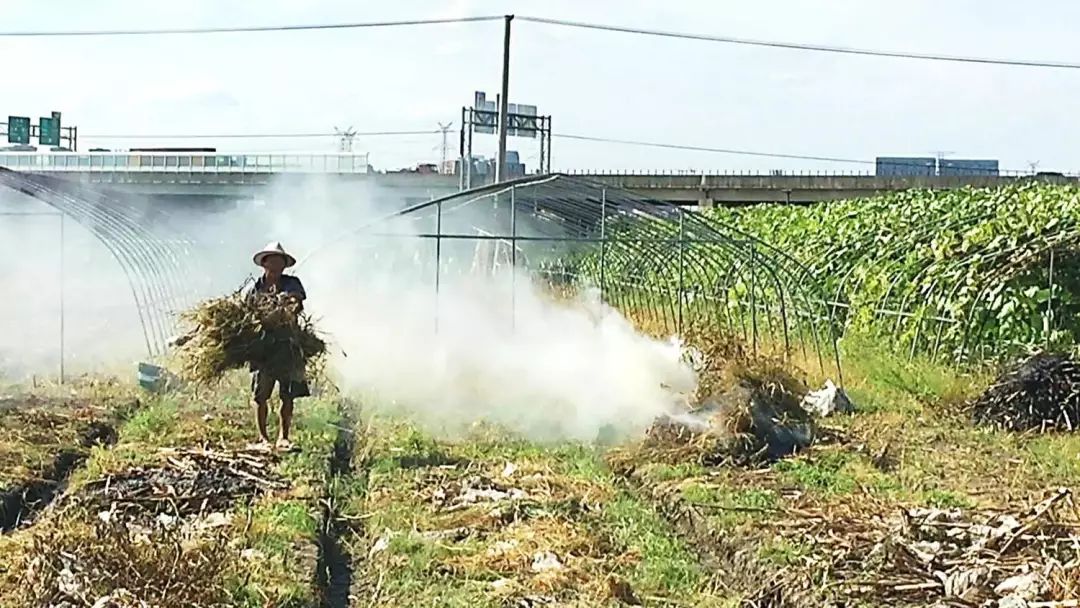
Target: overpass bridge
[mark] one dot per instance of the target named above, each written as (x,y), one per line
(735,189)
(217,176)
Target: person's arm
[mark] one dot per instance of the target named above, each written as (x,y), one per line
(296,289)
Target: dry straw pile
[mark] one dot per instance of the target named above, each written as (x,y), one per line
(1040,394)
(269,332)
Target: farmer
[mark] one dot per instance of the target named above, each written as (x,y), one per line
(292,384)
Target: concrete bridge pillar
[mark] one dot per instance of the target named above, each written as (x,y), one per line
(704,199)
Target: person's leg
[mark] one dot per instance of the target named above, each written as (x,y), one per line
(292,386)
(262,386)
(285,418)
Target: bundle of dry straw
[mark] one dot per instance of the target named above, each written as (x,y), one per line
(1040,394)
(267,332)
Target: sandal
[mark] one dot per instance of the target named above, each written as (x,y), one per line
(284,445)
(259,446)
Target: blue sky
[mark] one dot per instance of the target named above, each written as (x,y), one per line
(592,83)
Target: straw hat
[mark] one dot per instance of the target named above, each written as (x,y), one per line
(273,248)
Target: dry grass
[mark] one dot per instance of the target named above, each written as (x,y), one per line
(38,426)
(32,433)
(732,386)
(179,514)
(542,556)
(499,521)
(669,444)
(231,333)
(814,528)
(494,520)
(111,565)
(822,530)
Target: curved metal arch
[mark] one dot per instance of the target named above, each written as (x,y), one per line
(149,265)
(643,253)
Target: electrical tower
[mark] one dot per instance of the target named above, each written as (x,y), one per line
(346,138)
(443,166)
(939,155)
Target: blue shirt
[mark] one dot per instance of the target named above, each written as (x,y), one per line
(286,284)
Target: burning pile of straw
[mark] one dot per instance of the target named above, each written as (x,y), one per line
(269,332)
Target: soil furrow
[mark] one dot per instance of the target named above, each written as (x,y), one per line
(19,504)
(334,570)
(717,551)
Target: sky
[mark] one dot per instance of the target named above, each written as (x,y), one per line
(592,83)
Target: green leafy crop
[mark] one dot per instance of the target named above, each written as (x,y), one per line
(973,272)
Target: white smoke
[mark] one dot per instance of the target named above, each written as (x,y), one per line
(487,345)
(543,368)
(45,274)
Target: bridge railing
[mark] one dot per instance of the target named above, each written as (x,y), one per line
(786,173)
(185,162)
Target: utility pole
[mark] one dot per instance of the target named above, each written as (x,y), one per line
(62,349)
(445,145)
(500,162)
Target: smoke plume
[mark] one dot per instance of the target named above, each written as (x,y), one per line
(486,344)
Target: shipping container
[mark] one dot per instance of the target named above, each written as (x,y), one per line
(172,150)
(961,166)
(904,166)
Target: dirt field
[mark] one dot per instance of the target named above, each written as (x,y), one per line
(903,503)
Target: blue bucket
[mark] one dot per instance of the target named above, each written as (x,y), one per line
(151,377)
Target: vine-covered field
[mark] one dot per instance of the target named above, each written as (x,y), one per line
(962,275)
(964,272)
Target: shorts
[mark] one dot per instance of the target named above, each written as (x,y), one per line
(291,386)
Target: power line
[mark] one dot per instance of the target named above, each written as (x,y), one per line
(438,131)
(259,135)
(735,152)
(247,29)
(803,46)
(557,22)
(649,144)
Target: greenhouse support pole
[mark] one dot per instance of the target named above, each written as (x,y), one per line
(603,243)
(438,259)
(513,259)
(1049,327)
(753,296)
(682,241)
(62,349)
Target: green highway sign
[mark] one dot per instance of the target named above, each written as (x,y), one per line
(49,130)
(18,129)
